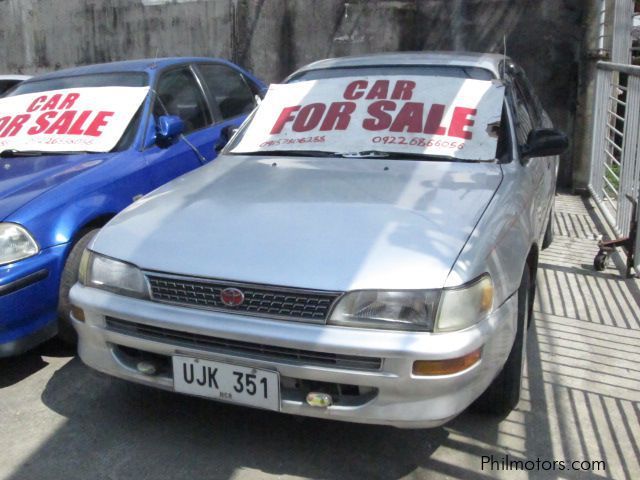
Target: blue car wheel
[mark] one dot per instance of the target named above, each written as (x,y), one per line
(66,332)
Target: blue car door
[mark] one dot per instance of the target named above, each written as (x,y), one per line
(207,97)
(230,94)
(178,92)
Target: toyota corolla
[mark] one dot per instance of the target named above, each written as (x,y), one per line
(364,249)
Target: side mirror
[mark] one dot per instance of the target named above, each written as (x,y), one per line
(545,142)
(225,135)
(169,127)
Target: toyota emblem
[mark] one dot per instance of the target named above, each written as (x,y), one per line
(232,297)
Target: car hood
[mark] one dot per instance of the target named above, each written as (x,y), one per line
(24,178)
(322,223)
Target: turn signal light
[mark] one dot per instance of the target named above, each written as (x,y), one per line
(450,366)
(77,313)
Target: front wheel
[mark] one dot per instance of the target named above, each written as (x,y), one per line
(503,394)
(66,332)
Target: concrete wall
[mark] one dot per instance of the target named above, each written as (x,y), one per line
(273,37)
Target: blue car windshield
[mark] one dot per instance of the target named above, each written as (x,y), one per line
(113,79)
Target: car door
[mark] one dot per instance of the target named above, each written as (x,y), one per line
(178,92)
(543,121)
(527,119)
(548,166)
(230,94)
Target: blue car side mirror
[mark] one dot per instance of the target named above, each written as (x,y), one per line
(169,127)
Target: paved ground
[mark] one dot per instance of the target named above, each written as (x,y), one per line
(59,420)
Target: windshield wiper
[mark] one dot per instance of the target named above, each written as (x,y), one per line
(366,154)
(396,155)
(362,154)
(12,153)
(291,153)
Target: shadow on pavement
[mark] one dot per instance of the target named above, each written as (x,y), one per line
(15,369)
(116,429)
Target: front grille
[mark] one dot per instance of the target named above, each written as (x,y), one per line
(244,349)
(262,300)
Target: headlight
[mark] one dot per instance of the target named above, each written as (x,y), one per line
(102,272)
(15,243)
(391,310)
(417,310)
(464,306)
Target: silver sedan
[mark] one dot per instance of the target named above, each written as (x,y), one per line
(364,249)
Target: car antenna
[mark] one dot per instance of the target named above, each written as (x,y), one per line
(504,53)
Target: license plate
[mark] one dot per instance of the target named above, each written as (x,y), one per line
(228,382)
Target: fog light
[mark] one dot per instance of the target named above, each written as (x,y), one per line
(446,367)
(146,368)
(77,313)
(322,400)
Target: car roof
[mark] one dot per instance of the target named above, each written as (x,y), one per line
(488,61)
(14,77)
(142,65)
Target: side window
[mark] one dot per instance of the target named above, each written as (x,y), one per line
(6,85)
(505,143)
(529,95)
(229,90)
(525,117)
(179,93)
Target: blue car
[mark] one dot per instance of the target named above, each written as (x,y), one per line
(52,203)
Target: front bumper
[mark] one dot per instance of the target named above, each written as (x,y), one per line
(28,300)
(394,395)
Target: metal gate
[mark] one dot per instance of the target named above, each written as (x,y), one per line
(615,166)
(615,18)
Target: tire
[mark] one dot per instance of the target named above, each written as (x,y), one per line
(66,332)
(549,233)
(600,261)
(503,394)
(532,294)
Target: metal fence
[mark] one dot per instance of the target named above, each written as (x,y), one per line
(603,36)
(621,34)
(615,166)
(615,22)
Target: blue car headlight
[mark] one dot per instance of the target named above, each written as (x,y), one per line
(99,271)
(16,243)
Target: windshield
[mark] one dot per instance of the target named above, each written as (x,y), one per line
(362,113)
(78,119)
(124,79)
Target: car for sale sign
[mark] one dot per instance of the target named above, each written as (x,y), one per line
(75,119)
(440,116)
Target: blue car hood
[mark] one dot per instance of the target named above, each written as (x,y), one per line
(24,178)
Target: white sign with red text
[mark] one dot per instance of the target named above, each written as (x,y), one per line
(439,116)
(75,119)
